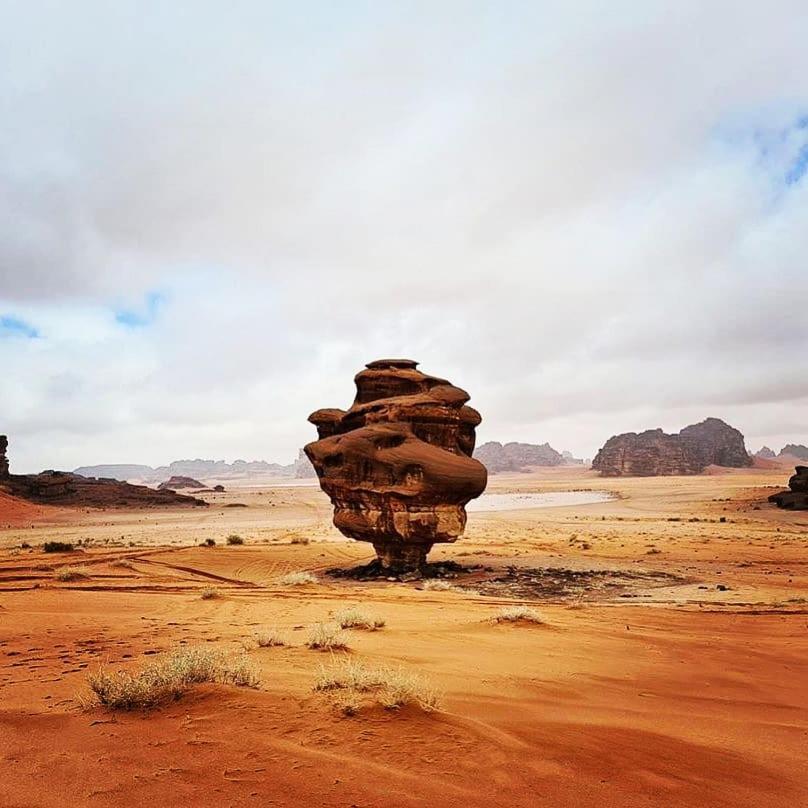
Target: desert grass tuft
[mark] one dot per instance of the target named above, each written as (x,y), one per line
(326,637)
(518,614)
(210,593)
(354,617)
(299,540)
(270,638)
(390,687)
(297,579)
(71,573)
(168,678)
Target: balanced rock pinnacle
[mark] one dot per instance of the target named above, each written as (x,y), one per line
(397,465)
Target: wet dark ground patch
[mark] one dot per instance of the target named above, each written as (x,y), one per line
(539,583)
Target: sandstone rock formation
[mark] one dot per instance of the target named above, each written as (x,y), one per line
(654,452)
(516,456)
(797,497)
(3,458)
(398,464)
(765,453)
(177,481)
(795,450)
(303,467)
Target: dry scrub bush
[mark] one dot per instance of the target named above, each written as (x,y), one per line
(518,614)
(297,579)
(57,547)
(210,593)
(326,637)
(71,573)
(436,585)
(391,687)
(354,617)
(123,563)
(299,540)
(270,638)
(168,678)
(234,538)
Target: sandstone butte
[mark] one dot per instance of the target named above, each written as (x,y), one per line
(398,464)
(654,452)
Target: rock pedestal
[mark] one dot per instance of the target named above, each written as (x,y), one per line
(397,465)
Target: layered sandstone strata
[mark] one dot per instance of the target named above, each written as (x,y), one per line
(796,498)
(656,453)
(398,464)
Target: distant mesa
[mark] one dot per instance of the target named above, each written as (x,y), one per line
(398,464)
(765,453)
(655,453)
(70,489)
(796,498)
(795,450)
(177,482)
(498,457)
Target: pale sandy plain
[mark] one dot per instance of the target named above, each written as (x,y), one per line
(650,691)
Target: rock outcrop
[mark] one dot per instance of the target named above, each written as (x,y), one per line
(497,457)
(656,453)
(398,464)
(796,498)
(765,453)
(177,482)
(795,450)
(303,467)
(65,488)
(3,458)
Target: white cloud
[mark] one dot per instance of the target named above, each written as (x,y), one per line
(579,214)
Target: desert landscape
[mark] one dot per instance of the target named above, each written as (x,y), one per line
(668,669)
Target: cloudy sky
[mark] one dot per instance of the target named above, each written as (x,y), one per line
(592,216)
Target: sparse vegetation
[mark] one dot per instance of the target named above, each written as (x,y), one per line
(209,543)
(390,687)
(75,573)
(58,547)
(326,637)
(210,593)
(297,579)
(123,563)
(299,540)
(519,614)
(354,617)
(234,538)
(168,678)
(270,638)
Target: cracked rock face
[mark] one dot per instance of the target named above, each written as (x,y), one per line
(397,465)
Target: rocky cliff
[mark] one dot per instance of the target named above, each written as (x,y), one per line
(795,450)
(654,452)
(497,457)
(398,463)
(3,458)
(765,453)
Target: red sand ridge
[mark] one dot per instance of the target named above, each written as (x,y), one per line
(397,465)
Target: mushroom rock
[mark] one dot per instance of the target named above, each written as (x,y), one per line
(797,497)
(397,465)
(3,458)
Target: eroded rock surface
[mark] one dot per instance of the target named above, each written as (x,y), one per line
(655,453)
(398,464)
(796,498)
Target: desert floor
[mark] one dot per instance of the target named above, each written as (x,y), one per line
(672,669)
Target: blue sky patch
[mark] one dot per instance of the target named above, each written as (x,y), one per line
(143,316)
(14,327)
